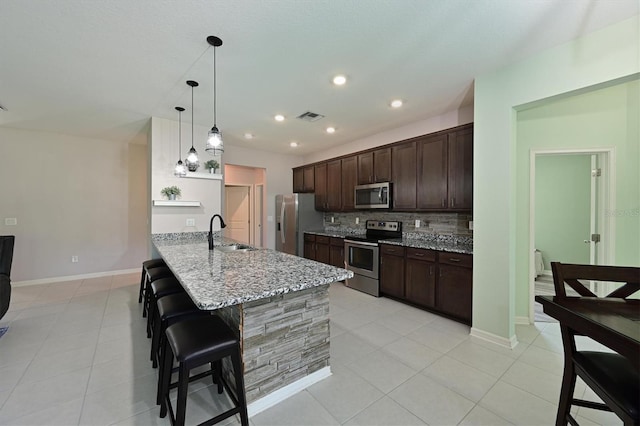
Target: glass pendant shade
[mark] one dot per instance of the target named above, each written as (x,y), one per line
(192,160)
(214,142)
(180,170)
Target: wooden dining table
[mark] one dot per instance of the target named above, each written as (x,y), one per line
(613,322)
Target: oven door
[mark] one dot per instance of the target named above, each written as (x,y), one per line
(362,258)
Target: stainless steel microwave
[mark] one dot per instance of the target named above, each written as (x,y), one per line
(373,196)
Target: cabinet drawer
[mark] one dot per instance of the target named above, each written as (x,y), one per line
(392,250)
(309,237)
(335,241)
(421,254)
(458,259)
(322,239)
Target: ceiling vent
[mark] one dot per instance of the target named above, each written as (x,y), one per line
(310,116)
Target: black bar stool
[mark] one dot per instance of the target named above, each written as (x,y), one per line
(152,275)
(157,289)
(171,309)
(197,342)
(146,265)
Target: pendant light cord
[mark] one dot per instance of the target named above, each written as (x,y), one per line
(191,117)
(179,135)
(214,87)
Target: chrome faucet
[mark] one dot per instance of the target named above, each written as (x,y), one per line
(222,225)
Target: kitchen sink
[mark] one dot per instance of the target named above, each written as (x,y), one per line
(235,248)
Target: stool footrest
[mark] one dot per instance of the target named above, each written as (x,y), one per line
(591,404)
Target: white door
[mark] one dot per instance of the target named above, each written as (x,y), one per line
(237,213)
(258,214)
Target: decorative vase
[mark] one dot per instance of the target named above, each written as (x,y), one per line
(212,171)
(172,196)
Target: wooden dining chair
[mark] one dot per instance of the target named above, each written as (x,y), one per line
(613,377)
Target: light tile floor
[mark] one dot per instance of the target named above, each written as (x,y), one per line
(76,353)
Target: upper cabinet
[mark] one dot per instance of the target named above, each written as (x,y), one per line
(374,166)
(428,173)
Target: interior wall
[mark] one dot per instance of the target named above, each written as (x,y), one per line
(278,178)
(606,55)
(463,115)
(72,196)
(164,156)
(562,208)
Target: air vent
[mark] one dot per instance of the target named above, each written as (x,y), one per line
(310,116)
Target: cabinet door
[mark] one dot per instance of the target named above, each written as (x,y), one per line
(349,178)
(298,180)
(365,168)
(392,275)
(403,170)
(336,254)
(322,250)
(382,165)
(334,186)
(421,282)
(432,173)
(320,174)
(454,291)
(461,169)
(309,246)
(309,178)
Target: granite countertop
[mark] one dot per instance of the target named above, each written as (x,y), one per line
(440,243)
(215,279)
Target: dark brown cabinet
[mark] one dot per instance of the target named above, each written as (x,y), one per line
(420,280)
(303,179)
(349,179)
(392,270)
(320,174)
(374,166)
(438,281)
(334,186)
(310,246)
(455,288)
(336,252)
(403,175)
(460,169)
(432,172)
(317,247)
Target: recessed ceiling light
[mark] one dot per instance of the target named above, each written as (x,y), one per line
(248,136)
(331,130)
(293,144)
(339,80)
(396,103)
(279,117)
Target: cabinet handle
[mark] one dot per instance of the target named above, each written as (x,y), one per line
(453,201)
(452,259)
(444,202)
(419,254)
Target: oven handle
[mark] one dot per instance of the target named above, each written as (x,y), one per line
(361,243)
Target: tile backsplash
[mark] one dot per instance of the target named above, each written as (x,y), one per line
(430,223)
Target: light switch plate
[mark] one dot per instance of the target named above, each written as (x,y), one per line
(191,222)
(417,223)
(10,221)
(357,220)
(471,225)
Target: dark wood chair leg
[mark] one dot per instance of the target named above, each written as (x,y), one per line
(566,393)
(142,280)
(183,387)
(239,377)
(164,380)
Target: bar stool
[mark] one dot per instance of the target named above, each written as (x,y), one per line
(146,265)
(196,342)
(171,309)
(160,288)
(152,275)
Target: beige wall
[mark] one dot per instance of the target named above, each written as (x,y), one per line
(72,196)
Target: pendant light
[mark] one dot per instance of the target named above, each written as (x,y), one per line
(192,157)
(214,140)
(180,170)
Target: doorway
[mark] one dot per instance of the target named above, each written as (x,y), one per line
(570,192)
(244,205)
(238,213)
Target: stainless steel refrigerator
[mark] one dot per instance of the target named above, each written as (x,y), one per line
(295,213)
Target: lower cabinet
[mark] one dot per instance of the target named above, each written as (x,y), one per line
(324,249)
(436,280)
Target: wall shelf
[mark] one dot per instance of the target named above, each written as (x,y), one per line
(175,203)
(203,175)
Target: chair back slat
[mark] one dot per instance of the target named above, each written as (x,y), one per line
(570,274)
(625,291)
(579,288)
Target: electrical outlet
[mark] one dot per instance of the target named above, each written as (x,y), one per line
(333,219)
(471,225)
(10,221)
(417,223)
(191,222)
(357,220)
(74,259)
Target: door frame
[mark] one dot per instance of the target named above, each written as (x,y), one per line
(606,203)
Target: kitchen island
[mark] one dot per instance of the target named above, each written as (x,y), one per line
(277,303)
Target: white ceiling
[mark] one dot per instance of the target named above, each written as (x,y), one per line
(100,69)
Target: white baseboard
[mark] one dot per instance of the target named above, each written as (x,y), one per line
(494,338)
(283,393)
(522,320)
(73,277)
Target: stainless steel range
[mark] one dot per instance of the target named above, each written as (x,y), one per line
(362,254)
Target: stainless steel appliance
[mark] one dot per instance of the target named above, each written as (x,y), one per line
(295,213)
(362,255)
(373,196)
